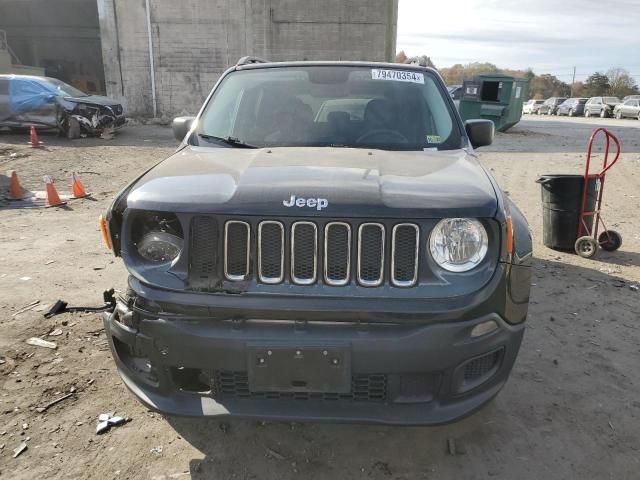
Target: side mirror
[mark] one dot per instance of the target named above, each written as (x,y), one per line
(480,132)
(181,126)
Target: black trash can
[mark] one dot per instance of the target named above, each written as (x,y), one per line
(561,199)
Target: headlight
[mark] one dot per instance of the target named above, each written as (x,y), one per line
(159,247)
(458,244)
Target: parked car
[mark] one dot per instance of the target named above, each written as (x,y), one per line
(550,105)
(602,106)
(288,265)
(628,109)
(629,97)
(531,106)
(571,107)
(48,103)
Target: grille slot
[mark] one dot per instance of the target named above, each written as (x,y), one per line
(337,253)
(271,252)
(404,254)
(304,253)
(203,252)
(371,254)
(236,250)
(364,388)
(478,367)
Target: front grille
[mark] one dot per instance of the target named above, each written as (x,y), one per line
(236,247)
(271,252)
(303,252)
(203,252)
(364,388)
(371,254)
(337,253)
(404,257)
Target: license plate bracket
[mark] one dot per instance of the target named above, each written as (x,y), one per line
(310,369)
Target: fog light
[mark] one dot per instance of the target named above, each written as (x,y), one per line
(483,328)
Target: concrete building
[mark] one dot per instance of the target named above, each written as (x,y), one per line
(164,56)
(191,42)
(60,36)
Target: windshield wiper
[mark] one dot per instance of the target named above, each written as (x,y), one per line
(231,141)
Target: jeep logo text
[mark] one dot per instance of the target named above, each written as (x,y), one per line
(317,203)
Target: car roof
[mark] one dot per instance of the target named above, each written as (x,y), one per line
(341,63)
(24,77)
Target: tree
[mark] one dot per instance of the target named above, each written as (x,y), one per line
(546,85)
(621,82)
(579,89)
(456,74)
(421,60)
(401,57)
(597,85)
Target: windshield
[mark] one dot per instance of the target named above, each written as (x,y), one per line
(63,88)
(611,100)
(345,106)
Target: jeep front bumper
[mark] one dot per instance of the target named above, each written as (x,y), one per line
(184,359)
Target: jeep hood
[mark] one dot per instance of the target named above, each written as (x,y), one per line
(355,182)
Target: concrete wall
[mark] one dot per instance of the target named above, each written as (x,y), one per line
(62,36)
(194,41)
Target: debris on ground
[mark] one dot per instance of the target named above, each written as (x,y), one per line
(38,342)
(19,449)
(451,446)
(108,420)
(55,333)
(26,308)
(156,450)
(274,454)
(53,402)
(633,287)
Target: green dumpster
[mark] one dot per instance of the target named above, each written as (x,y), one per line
(494,97)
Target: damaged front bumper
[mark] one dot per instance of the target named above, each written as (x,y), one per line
(204,361)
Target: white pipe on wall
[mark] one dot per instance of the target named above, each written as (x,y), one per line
(151,66)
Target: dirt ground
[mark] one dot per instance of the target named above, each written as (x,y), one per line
(571,408)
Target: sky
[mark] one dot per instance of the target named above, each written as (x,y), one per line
(550,36)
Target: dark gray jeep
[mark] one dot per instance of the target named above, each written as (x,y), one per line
(323,245)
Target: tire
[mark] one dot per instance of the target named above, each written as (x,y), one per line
(550,112)
(603,113)
(610,240)
(571,112)
(638,116)
(73,129)
(619,115)
(586,247)
(587,113)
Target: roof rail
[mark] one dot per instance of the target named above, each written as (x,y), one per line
(249,60)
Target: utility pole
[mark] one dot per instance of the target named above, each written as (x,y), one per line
(573,81)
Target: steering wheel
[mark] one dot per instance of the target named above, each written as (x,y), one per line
(383,131)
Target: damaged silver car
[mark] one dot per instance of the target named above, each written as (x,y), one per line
(48,103)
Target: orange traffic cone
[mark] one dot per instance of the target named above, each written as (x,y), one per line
(15,191)
(77,188)
(33,138)
(53,199)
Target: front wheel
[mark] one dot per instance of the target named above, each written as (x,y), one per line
(571,112)
(603,113)
(587,113)
(586,247)
(619,115)
(550,112)
(610,240)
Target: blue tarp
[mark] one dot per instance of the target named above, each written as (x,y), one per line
(27,95)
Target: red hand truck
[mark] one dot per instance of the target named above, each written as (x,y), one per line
(589,222)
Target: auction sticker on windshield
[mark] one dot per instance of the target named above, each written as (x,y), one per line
(397,75)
